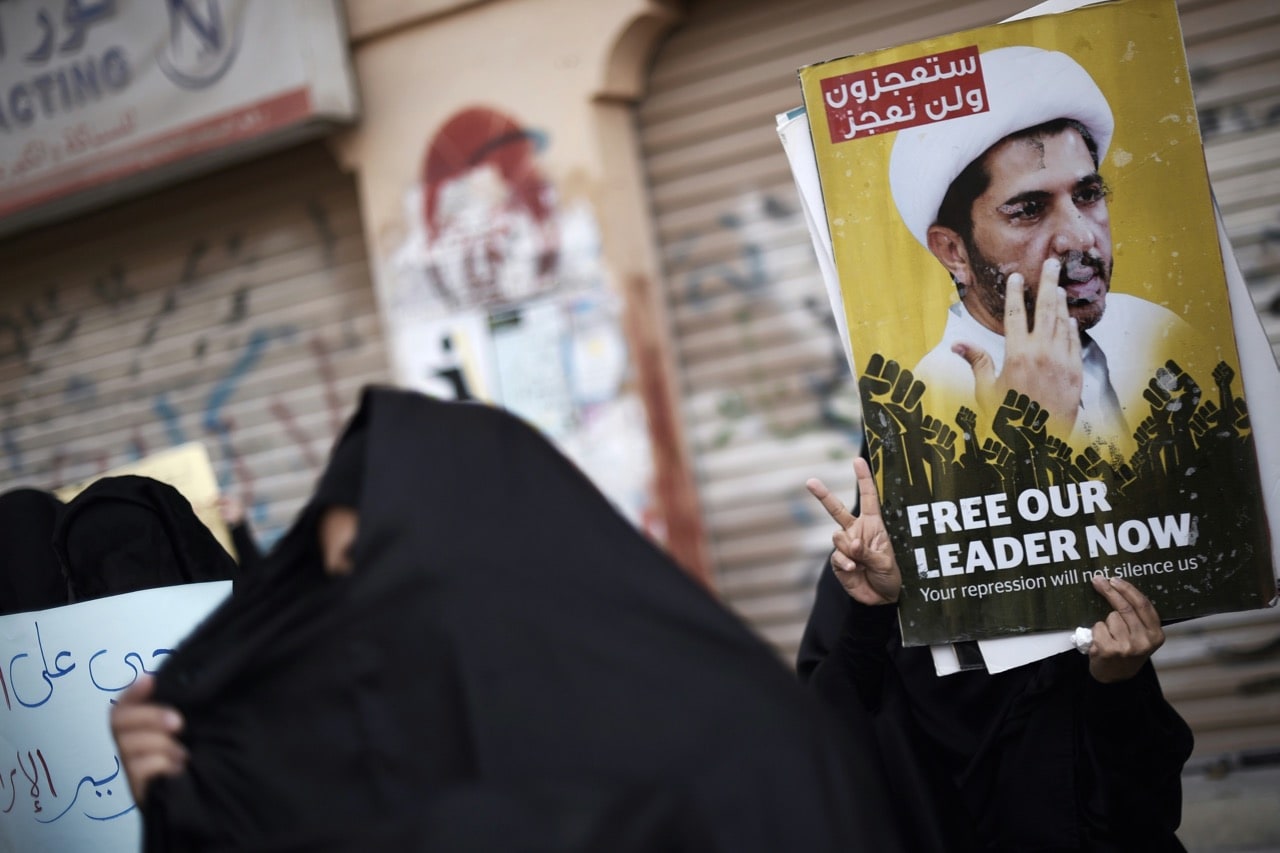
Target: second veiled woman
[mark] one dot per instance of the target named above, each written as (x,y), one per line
(499,661)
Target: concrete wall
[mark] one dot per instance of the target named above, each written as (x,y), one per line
(537,210)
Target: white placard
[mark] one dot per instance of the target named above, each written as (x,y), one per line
(61,784)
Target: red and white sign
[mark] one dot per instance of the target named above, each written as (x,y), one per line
(904,94)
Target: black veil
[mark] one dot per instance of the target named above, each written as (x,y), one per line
(128,533)
(510,666)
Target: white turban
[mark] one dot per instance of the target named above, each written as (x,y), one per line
(1026,86)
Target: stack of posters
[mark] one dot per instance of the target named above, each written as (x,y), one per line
(1022,445)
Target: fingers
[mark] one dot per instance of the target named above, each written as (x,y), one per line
(1126,639)
(1053,317)
(832,504)
(146,737)
(1015,308)
(848,552)
(1066,329)
(1051,300)
(139,691)
(868,497)
(1106,587)
(1143,609)
(232,509)
(855,551)
(914,391)
(868,571)
(148,717)
(145,753)
(1137,611)
(1117,653)
(984,369)
(1072,331)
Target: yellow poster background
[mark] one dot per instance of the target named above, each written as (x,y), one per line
(1177,472)
(1165,245)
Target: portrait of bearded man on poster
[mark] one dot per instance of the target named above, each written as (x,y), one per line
(1013,203)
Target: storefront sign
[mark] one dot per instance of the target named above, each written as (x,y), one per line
(101,98)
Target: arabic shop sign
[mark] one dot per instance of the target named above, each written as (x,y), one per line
(61,783)
(96,95)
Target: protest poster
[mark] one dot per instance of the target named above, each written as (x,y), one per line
(61,783)
(1002,504)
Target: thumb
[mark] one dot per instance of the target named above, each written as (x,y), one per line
(984,369)
(139,692)
(878,553)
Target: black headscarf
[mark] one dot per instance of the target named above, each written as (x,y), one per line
(342,482)
(510,666)
(30,577)
(123,534)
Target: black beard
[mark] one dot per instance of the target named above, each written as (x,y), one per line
(989,282)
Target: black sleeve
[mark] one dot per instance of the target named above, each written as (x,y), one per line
(844,650)
(248,554)
(1136,745)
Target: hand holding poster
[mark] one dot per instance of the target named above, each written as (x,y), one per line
(61,783)
(1027,437)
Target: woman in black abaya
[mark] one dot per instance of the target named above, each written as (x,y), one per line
(129,533)
(499,661)
(1067,754)
(30,576)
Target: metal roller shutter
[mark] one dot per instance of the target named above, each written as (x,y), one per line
(766,397)
(1223,673)
(235,309)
